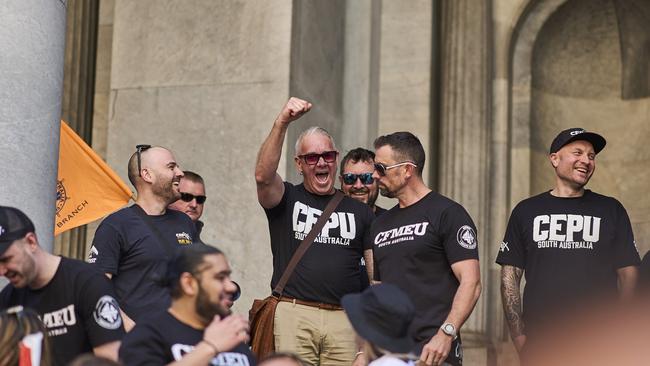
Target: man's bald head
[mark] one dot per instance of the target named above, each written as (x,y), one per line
(148,157)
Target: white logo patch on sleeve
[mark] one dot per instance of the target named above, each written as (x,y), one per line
(466,237)
(107,313)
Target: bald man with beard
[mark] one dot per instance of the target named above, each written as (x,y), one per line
(133,245)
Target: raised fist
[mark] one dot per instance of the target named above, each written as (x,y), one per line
(294,109)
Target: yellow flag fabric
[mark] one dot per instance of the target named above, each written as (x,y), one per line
(87,188)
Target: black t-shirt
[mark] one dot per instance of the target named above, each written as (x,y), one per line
(569,248)
(126,247)
(414,248)
(162,339)
(330,267)
(77,307)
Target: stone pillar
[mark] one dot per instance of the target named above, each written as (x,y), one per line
(360,74)
(31,81)
(464,173)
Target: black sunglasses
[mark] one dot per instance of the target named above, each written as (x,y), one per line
(138,151)
(366,178)
(312,159)
(188,197)
(381,168)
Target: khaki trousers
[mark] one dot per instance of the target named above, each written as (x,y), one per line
(318,336)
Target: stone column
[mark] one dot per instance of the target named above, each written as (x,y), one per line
(31,80)
(464,126)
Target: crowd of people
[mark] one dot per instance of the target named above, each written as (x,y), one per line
(378,286)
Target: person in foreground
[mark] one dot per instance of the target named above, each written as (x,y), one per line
(197,329)
(575,246)
(381,316)
(75,301)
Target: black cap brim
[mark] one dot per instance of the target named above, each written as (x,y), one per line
(596,140)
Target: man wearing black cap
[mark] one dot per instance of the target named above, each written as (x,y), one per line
(575,246)
(75,302)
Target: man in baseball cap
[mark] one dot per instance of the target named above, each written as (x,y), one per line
(575,246)
(75,302)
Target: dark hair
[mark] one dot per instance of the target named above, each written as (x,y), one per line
(406,147)
(132,169)
(186,260)
(193,177)
(283,355)
(357,155)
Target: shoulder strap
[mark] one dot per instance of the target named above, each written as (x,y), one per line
(147,220)
(306,242)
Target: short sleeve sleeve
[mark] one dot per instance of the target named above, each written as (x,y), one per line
(512,249)
(458,232)
(106,248)
(100,310)
(625,246)
(279,208)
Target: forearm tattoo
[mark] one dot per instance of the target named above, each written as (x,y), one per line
(511,297)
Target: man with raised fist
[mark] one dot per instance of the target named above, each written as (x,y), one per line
(309,320)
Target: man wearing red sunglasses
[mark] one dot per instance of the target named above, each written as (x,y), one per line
(309,320)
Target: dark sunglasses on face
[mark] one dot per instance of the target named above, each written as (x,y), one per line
(366,178)
(138,151)
(313,159)
(188,197)
(381,168)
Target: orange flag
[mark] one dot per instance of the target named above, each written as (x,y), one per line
(87,188)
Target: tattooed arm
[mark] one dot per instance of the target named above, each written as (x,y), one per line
(511,298)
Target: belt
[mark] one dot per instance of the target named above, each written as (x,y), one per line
(313,304)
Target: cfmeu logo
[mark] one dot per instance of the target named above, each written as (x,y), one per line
(61,196)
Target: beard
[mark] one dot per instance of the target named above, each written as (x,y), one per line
(207,309)
(165,189)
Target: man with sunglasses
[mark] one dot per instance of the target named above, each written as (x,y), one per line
(309,320)
(193,197)
(75,302)
(356,178)
(133,244)
(427,246)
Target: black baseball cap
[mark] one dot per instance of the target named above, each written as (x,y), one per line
(14,225)
(574,134)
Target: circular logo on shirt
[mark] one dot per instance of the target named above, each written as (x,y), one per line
(107,313)
(466,237)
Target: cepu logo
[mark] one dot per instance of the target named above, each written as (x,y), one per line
(304,217)
(566,228)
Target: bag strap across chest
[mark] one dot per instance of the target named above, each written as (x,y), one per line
(306,242)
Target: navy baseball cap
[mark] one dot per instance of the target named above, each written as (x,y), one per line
(14,225)
(574,134)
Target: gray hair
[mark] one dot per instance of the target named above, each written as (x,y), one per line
(312,131)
